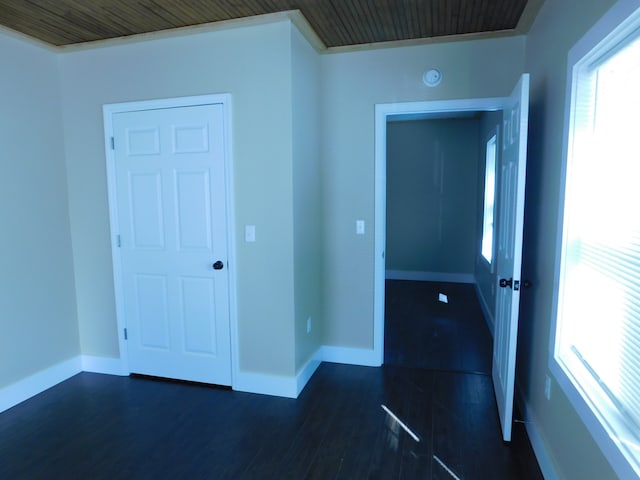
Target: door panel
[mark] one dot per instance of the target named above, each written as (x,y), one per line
(170,184)
(194,210)
(145,193)
(197,301)
(143,141)
(151,314)
(509,258)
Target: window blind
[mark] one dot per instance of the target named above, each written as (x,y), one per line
(599,309)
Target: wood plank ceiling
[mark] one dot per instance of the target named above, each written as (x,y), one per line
(338,23)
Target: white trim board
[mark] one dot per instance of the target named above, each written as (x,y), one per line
(266,384)
(277,385)
(350,356)
(306,372)
(294,16)
(536,438)
(430,276)
(105,365)
(291,387)
(31,386)
(250,382)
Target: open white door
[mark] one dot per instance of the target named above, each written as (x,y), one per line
(511,219)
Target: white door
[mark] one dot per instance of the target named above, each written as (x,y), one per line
(509,260)
(170,191)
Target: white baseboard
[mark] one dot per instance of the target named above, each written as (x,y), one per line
(39,382)
(106,365)
(306,372)
(277,385)
(488,314)
(250,382)
(266,384)
(291,387)
(535,437)
(430,276)
(350,356)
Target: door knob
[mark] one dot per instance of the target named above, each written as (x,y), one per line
(218,265)
(506,283)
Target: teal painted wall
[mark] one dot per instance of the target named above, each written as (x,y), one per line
(432,197)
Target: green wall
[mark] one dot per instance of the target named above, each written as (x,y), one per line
(352,84)
(432,195)
(307,219)
(560,24)
(254,65)
(38,324)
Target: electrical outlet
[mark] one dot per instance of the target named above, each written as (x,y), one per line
(309,325)
(547,387)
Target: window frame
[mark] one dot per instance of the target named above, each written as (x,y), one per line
(603,39)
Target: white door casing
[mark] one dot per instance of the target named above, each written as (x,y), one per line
(516,110)
(408,111)
(509,256)
(169,218)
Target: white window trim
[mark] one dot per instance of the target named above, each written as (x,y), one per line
(624,16)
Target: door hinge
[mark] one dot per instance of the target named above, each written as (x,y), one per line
(516,285)
(113,143)
(125,334)
(118,241)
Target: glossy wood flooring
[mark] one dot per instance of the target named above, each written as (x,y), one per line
(103,427)
(423,332)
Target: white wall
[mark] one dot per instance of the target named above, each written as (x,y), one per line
(38,326)
(559,25)
(352,83)
(306,198)
(254,65)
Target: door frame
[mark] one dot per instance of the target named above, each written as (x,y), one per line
(411,110)
(109,110)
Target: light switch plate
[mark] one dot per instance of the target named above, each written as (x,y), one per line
(250,233)
(359,227)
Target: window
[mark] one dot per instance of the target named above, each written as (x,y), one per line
(489,199)
(596,350)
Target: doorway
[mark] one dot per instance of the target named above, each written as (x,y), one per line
(433,318)
(515,124)
(405,111)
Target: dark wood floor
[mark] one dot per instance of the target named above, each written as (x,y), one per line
(423,332)
(98,426)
